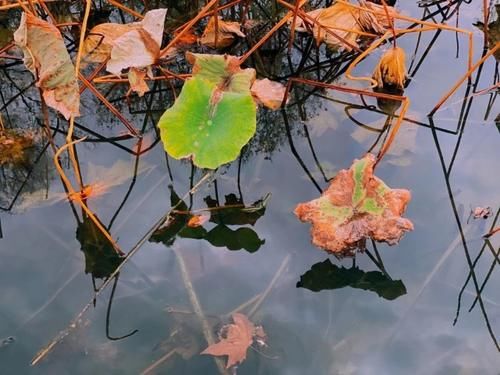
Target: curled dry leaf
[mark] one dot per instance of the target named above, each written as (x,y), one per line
(135,45)
(357,205)
(390,72)
(268,93)
(346,22)
(225,36)
(236,339)
(137,80)
(45,55)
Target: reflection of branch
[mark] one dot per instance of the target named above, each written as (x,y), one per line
(108,314)
(195,302)
(462,234)
(263,296)
(296,154)
(77,320)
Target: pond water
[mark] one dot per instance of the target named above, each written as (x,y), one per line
(398,320)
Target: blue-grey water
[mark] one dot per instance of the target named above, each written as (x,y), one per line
(43,284)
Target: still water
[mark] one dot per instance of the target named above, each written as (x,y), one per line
(402,325)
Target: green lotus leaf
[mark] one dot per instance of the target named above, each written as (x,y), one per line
(207,124)
(223,71)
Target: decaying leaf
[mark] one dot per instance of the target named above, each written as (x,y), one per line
(135,45)
(235,340)
(198,220)
(226,33)
(268,93)
(390,71)
(12,146)
(346,22)
(356,206)
(45,55)
(137,80)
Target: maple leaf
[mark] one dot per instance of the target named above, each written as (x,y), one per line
(45,55)
(357,205)
(239,336)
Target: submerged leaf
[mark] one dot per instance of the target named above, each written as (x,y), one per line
(325,276)
(357,205)
(45,55)
(214,116)
(238,338)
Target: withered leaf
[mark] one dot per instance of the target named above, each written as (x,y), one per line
(346,22)
(268,93)
(357,205)
(134,45)
(238,338)
(225,35)
(45,55)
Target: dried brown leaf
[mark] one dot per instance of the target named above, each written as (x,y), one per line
(268,93)
(357,205)
(238,338)
(225,36)
(45,55)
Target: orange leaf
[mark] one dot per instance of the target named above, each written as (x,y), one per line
(239,337)
(198,220)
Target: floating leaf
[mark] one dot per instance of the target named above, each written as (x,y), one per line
(214,116)
(134,45)
(325,275)
(236,340)
(268,93)
(357,205)
(45,55)
(225,36)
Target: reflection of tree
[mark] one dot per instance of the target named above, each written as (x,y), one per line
(31,175)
